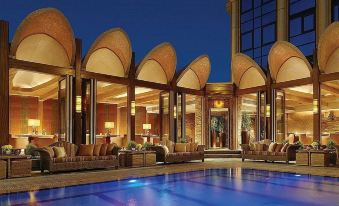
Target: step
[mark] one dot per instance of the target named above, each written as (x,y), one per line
(222,155)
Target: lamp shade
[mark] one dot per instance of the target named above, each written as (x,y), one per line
(146,126)
(109,125)
(33,122)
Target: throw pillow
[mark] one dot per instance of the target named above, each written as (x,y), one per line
(252,146)
(170,146)
(86,149)
(96,150)
(59,152)
(103,149)
(180,147)
(166,149)
(194,147)
(278,147)
(50,151)
(110,148)
(284,148)
(259,147)
(272,147)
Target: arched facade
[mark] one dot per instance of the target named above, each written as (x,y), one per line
(160,62)
(287,63)
(246,72)
(196,74)
(328,49)
(110,54)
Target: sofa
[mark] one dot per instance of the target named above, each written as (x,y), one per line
(178,152)
(76,159)
(269,151)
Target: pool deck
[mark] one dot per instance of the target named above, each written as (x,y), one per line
(47,181)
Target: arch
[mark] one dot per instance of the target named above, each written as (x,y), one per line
(45,36)
(287,62)
(196,74)
(328,49)
(246,72)
(110,54)
(159,65)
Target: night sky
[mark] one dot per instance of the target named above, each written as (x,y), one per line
(193,27)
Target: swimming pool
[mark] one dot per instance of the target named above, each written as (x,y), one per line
(208,187)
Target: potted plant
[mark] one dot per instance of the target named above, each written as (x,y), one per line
(246,123)
(131,145)
(331,144)
(147,145)
(7,149)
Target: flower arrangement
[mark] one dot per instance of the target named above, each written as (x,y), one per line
(315,145)
(7,149)
(139,147)
(147,144)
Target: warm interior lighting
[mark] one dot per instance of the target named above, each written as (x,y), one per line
(146,126)
(132,108)
(34,123)
(109,125)
(218,104)
(315,106)
(78,104)
(175,111)
(268,110)
(138,90)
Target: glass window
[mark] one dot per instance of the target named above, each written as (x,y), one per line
(335,10)
(302,25)
(258,28)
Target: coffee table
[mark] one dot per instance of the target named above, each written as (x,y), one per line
(17,165)
(322,158)
(302,158)
(129,158)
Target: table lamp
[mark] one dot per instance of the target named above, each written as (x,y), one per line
(34,123)
(108,127)
(146,127)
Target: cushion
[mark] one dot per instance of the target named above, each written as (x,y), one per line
(193,147)
(110,148)
(50,151)
(252,146)
(259,147)
(96,150)
(170,146)
(272,147)
(180,147)
(284,148)
(86,150)
(278,147)
(166,149)
(103,149)
(59,152)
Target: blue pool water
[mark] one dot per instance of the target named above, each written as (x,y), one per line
(208,187)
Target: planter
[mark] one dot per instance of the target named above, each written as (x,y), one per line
(245,137)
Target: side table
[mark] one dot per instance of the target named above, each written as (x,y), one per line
(130,158)
(17,165)
(302,158)
(322,158)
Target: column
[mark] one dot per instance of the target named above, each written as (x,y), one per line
(198,120)
(78,133)
(323,19)
(282,20)
(316,100)
(233,8)
(131,107)
(4,83)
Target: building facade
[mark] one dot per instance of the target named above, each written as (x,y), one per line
(285,69)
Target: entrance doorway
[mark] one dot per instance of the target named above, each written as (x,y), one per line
(219,128)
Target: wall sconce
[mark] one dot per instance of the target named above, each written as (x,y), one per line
(315,106)
(78,104)
(133,108)
(268,110)
(175,111)
(218,104)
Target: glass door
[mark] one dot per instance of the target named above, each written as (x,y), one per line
(219,129)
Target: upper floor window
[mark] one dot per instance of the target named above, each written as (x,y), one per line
(302,20)
(257,29)
(335,10)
